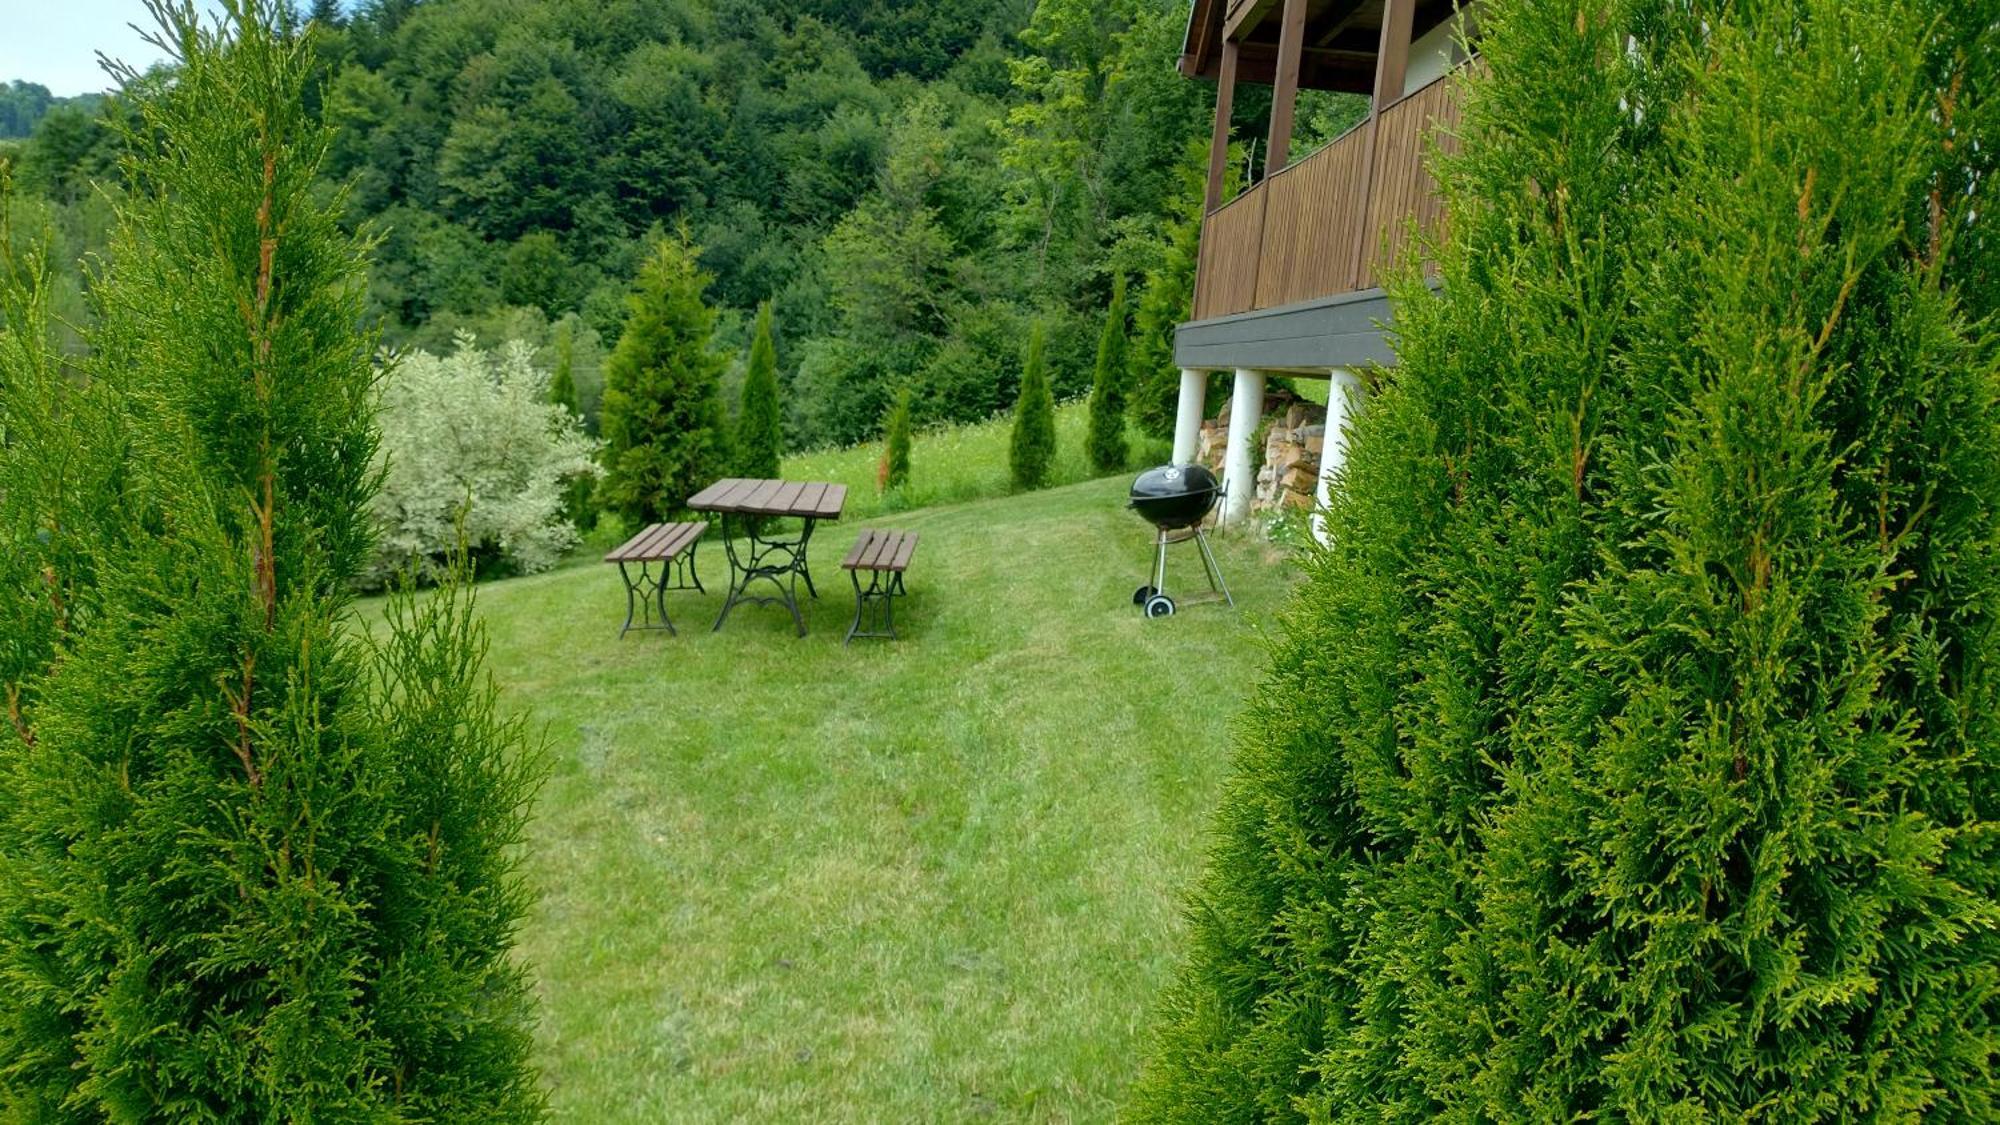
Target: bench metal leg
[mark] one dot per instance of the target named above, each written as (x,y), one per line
(646,592)
(646,597)
(880,594)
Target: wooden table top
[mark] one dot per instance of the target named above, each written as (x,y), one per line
(803,499)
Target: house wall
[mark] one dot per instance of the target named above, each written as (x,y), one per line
(1434,53)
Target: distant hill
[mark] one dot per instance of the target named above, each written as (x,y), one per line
(24,104)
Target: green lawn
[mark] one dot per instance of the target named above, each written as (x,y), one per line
(928,880)
(953,464)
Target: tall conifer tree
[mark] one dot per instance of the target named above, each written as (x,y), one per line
(896,439)
(1107,388)
(1031,451)
(1628,754)
(760,431)
(255,864)
(662,413)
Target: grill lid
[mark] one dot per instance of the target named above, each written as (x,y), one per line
(1174,480)
(1175,496)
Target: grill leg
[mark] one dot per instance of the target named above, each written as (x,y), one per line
(1214,569)
(1160,564)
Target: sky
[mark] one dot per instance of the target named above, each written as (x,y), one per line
(55,42)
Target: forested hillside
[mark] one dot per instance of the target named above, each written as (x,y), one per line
(911,185)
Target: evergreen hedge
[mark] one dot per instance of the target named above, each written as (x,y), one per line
(256,864)
(1630,753)
(1031,450)
(760,422)
(1106,429)
(662,412)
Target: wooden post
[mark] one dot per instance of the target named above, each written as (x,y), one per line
(1392,64)
(1218,145)
(1392,59)
(1285,95)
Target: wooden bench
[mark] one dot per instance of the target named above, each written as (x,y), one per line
(671,545)
(884,556)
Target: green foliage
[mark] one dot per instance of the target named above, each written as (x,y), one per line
(24,104)
(1033,448)
(562,381)
(662,415)
(1108,453)
(1624,757)
(760,432)
(1165,301)
(896,443)
(908,182)
(478,456)
(579,504)
(253,866)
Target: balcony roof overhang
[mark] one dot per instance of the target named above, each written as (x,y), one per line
(1341,41)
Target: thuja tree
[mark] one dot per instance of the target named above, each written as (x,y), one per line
(662,414)
(1106,438)
(760,421)
(1031,450)
(896,442)
(1629,753)
(256,864)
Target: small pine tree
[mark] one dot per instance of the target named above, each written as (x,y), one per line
(896,442)
(1031,452)
(256,863)
(1627,754)
(759,422)
(1108,453)
(662,412)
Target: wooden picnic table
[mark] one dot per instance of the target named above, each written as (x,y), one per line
(752,505)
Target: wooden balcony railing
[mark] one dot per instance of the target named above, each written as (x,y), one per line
(1315,228)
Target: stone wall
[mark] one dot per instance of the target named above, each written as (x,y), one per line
(1294,437)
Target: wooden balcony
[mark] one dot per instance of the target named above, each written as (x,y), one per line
(1315,228)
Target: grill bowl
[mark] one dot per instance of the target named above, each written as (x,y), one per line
(1172,497)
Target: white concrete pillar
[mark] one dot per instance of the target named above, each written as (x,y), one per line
(1187,424)
(1246,413)
(1343,398)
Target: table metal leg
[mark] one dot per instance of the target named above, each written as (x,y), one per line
(778,561)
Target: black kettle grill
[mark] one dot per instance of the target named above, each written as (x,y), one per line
(1175,499)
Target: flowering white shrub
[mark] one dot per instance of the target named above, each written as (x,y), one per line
(474,437)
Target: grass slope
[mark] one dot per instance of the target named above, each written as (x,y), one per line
(954,464)
(934,879)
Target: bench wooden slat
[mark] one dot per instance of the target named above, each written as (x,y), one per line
(658,541)
(683,538)
(876,540)
(626,548)
(631,547)
(879,549)
(861,545)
